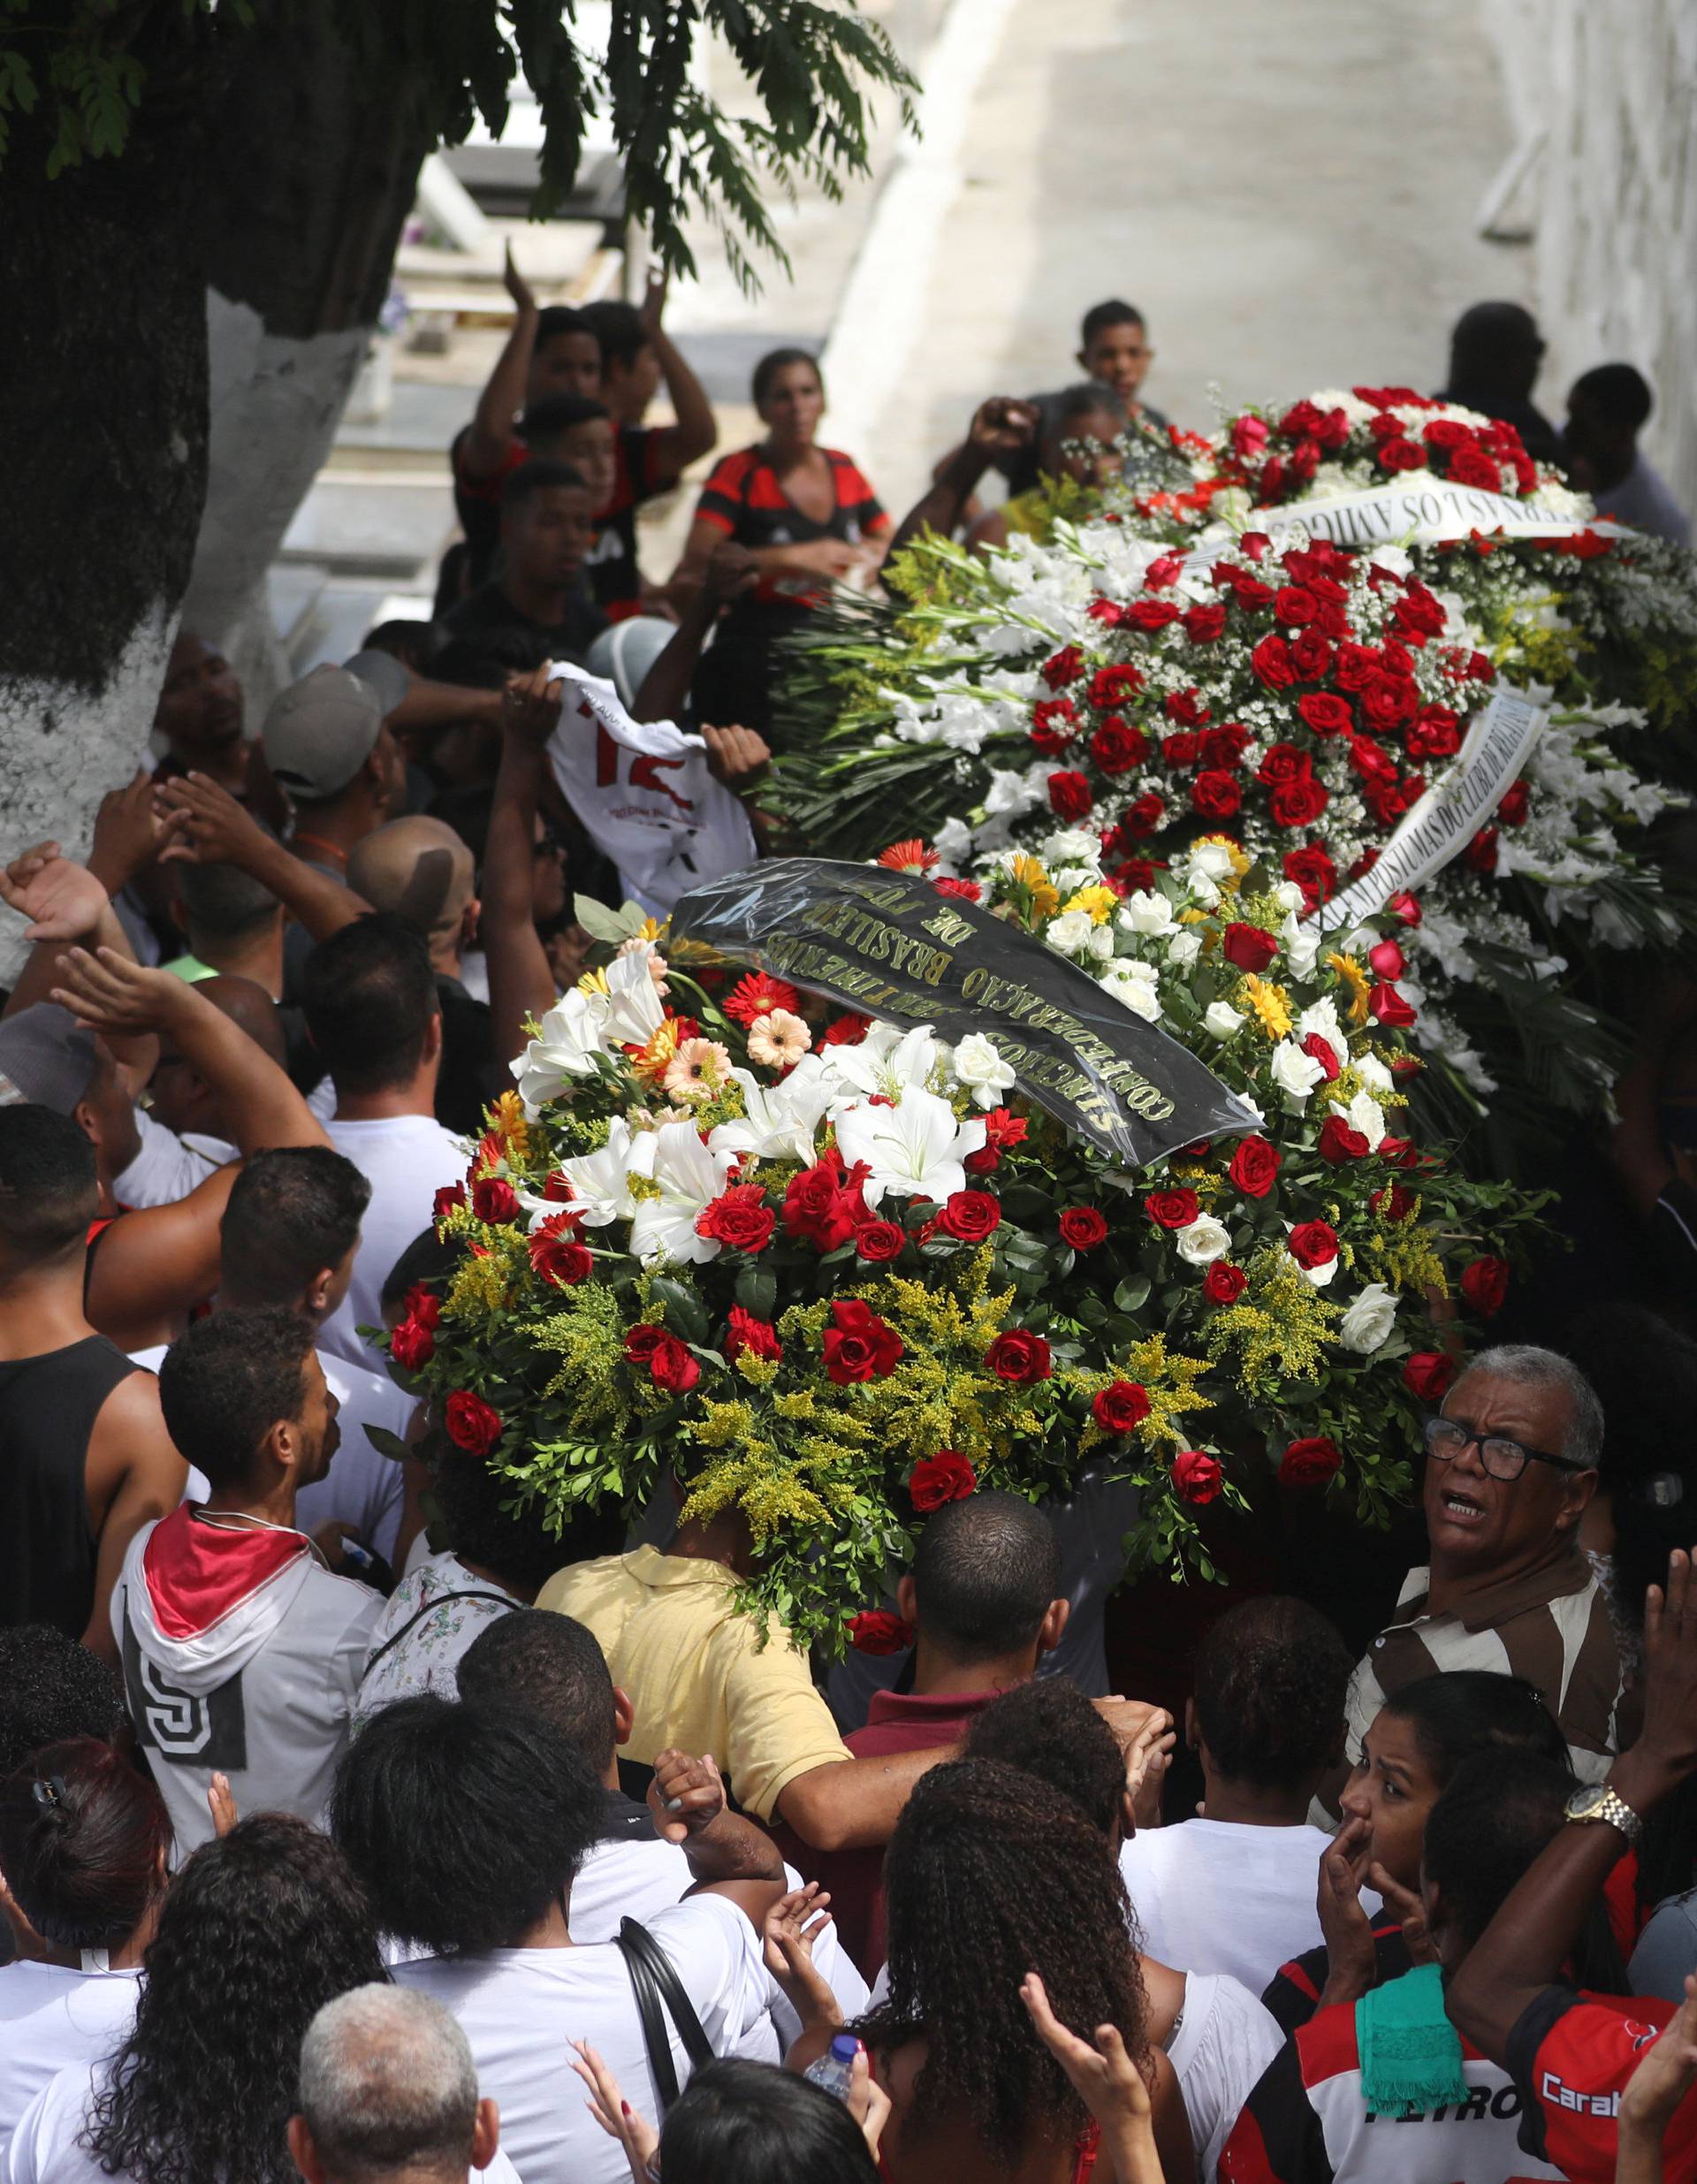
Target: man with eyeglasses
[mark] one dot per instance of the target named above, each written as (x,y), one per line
(1511,1464)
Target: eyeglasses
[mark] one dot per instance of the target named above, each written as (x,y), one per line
(1502,1459)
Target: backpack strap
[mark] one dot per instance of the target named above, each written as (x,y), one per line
(436,1600)
(657,1990)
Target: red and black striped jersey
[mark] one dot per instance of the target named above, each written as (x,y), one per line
(1570,2054)
(744,499)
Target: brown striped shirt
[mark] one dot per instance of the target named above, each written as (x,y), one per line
(1551,1627)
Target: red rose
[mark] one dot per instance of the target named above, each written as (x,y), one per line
(1108,611)
(878,1632)
(970,1215)
(1172,1209)
(412,1345)
(1433,732)
(945,1477)
(1083,1227)
(758,1337)
(1203,624)
(1185,709)
(1427,1375)
(1387,701)
(1151,613)
(1470,466)
(1224,1283)
(1319,1049)
(1403,905)
(1216,795)
(423,1304)
(1222,747)
(1294,604)
(1197,1476)
(1512,809)
(1311,870)
(1310,1463)
(1116,747)
(1255,1167)
(1283,762)
(1249,436)
(557,1253)
(1339,1143)
(641,1343)
(450,1196)
(494,1200)
(1271,661)
(1144,814)
(1484,1284)
(1393,1203)
(1182,750)
(1387,1006)
(1401,455)
(1066,666)
(821,1205)
(673,1367)
(860,1346)
(1019,1357)
(1248,946)
(1312,1243)
(1120,1406)
(1298,803)
(739,1218)
(1481,852)
(877,1242)
(1070,795)
(471,1425)
(1111,686)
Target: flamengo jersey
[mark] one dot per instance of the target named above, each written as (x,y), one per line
(1571,2053)
(1307,2122)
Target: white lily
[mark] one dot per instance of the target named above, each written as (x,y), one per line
(689,1176)
(634,1010)
(567,1041)
(886,1061)
(600,1181)
(780,1122)
(914,1149)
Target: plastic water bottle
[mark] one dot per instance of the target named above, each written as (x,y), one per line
(834,2070)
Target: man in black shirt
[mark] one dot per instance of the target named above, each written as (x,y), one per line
(547,529)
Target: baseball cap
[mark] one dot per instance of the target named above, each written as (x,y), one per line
(47,1058)
(625,651)
(321,730)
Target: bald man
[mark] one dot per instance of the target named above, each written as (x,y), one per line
(420,869)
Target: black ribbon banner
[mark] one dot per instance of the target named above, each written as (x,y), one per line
(886,944)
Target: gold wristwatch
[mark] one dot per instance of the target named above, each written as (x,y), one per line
(1597,1801)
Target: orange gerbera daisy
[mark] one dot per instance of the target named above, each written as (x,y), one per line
(912,855)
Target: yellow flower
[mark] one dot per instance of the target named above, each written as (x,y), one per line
(1353,976)
(1098,903)
(1270,1003)
(510,1125)
(1026,873)
(658,1056)
(593,982)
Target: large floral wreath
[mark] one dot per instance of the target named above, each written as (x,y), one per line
(837,1273)
(1190,660)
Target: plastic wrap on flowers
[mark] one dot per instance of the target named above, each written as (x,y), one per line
(838,1272)
(1156,673)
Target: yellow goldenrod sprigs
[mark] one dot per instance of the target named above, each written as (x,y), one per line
(479,1288)
(1401,1256)
(1280,1328)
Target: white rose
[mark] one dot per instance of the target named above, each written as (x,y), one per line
(1366,1116)
(1322,1016)
(1138,995)
(1373,1074)
(1069,932)
(1295,1073)
(1145,911)
(1301,947)
(980,1067)
(1183,948)
(1209,860)
(1204,1240)
(1101,943)
(1316,1277)
(1222,1020)
(1288,895)
(1366,1326)
(1072,846)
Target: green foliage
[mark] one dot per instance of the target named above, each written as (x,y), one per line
(809,63)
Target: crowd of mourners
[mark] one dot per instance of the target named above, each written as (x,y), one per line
(353,1825)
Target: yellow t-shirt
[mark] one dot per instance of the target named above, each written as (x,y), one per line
(695,1672)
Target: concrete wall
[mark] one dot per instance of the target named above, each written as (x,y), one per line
(1608,88)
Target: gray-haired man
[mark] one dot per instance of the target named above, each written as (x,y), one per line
(389,2092)
(1511,1461)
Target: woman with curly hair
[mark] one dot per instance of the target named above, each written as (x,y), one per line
(84,1842)
(992,1874)
(260,1928)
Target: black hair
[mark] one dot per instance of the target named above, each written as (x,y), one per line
(557,319)
(618,328)
(469,810)
(752,2123)
(83,1842)
(224,902)
(1048,1728)
(775,360)
(414,643)
(1101,316)
(488,1523)
(227,1379)
(370,995)
(990,1875)
(1496,1813)
(1271,1677)
(553,1668)
(1464,1711)
(984,1571)
(428,1259)
(558,412)
(51,1689)
(290,1212)
(49,1187)
(1619,393)
(258,1931)
(464,1823)
(539,475)
(1088,399)
(1495,347)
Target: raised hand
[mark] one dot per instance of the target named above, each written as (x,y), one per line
(737,756)
(652,307)
(686,1794)
(1147,1758)
(1352,1963)
(221,1803)
(530,707)
(794,1923)
(523,295)
(132,828)
(213,827)
(1405,1904)
(615,2114)
(1666,2072)
(1002,425)
(61,900)
(106,993)
(1107,2080)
